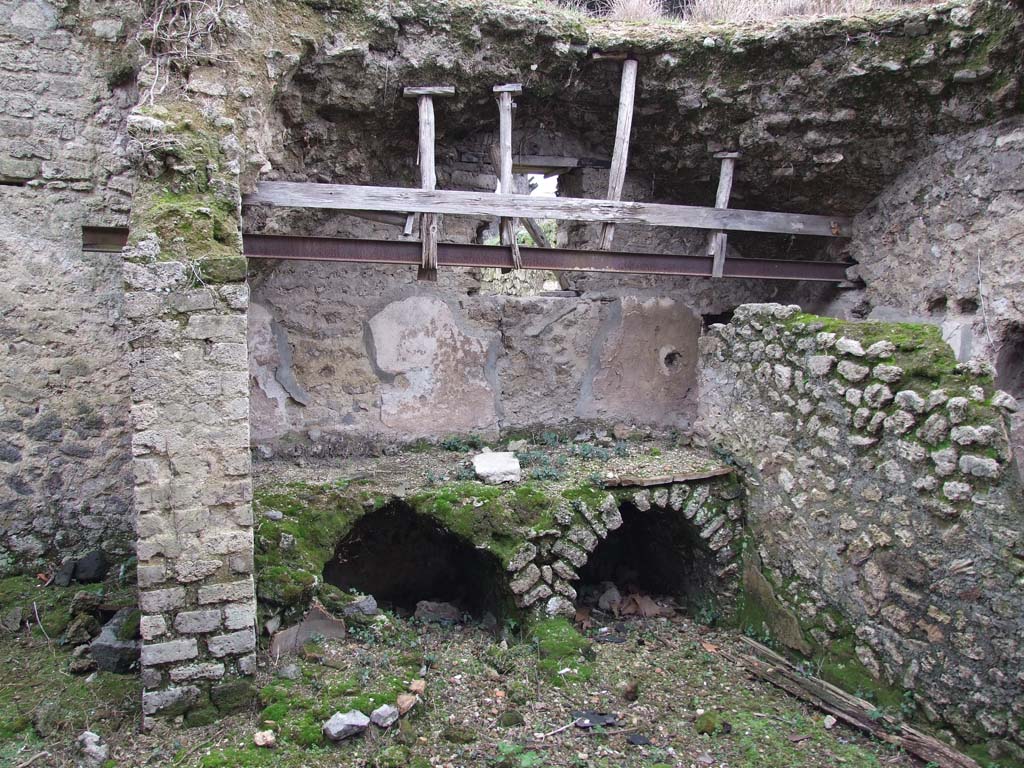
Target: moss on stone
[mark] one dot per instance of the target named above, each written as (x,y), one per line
(565,655)
(233,696)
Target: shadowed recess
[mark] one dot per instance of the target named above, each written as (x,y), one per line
(401,558)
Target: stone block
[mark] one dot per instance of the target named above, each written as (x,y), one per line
(216,327)
(152,626)
(170,701)
(239,615)
(243,641)
(201,671)
(170,651)
(162,600)
(497,467)
(197,622)
(233,591)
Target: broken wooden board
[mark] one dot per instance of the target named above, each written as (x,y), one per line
(620,152)
(316,622)
(764,663)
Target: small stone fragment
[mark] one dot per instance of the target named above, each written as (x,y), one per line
(497,467)
(438,613)
(92,749)
(342,726)
(264,739)
(405,702)
(418,686)
(384,716)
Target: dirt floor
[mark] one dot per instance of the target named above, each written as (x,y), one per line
(488,701)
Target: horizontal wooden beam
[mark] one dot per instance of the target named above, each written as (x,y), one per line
(429,90)
(547,163)
(349,197)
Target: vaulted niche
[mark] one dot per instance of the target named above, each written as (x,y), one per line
(401,558)
(656,552)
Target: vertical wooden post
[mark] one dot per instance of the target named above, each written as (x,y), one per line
(620,154)
(507,226)
(429,222)
(718,240)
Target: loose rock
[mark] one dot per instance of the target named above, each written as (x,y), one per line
(342,726)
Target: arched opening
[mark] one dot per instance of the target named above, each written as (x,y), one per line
(657,552)
(402,558)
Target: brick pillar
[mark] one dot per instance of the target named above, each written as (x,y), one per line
(186,304)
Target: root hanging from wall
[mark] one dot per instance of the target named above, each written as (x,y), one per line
(402,558)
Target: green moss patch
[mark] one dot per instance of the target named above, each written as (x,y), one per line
(565,655)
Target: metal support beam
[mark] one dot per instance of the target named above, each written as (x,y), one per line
(500,257)
(113,239)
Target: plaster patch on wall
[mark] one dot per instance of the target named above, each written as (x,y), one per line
(644,361)
(439,369)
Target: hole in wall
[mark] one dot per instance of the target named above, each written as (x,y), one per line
(717,317)
(1010,361)
(967,306)
(671,360)
(401,558)
(937,305)
(654,552)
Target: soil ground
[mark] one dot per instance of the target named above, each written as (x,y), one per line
(474,683)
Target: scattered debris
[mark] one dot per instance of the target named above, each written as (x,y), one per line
(405,702)
(341,726)
(437,613)
(109,651)
(610,599)
(384,716)
(829,722)
(497,467)
(631,690)
(588,718)
(290,672)
(316,623)
(638,740)
(418,686)
(93,751)
(364,606)
(264,739)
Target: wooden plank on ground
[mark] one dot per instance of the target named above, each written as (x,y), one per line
(764,663)
(620,153)
(485,204)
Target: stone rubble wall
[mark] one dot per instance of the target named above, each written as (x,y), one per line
(943,244)
(878,481)
(65,479)
(543,569)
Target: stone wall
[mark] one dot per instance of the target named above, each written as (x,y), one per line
(886,518)
(943,245)
(65,90)
(342,357)
(186,307)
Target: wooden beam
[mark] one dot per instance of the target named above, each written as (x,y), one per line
(620,154)
(718,241)
(764,663)
(429,90)
(552,165)
(429,222)
(507,226)
(484,204)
